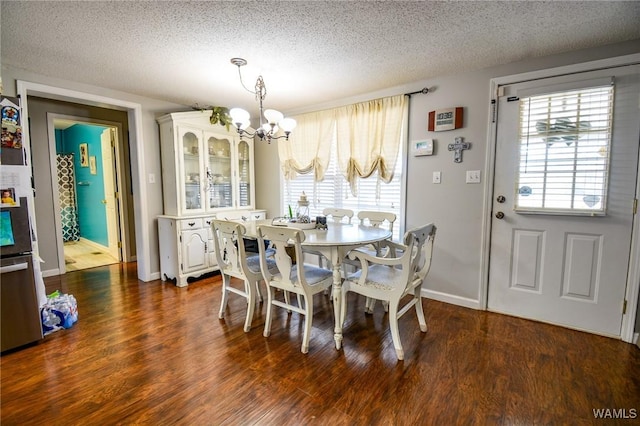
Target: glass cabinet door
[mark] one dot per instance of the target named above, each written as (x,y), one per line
(219,172)
(191,170)
(244,174)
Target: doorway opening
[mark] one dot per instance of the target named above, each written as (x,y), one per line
(139,245)
(87,176)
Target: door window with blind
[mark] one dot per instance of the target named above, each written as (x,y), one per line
(565,139)
(335,191)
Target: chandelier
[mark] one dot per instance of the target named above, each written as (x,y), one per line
(270,119)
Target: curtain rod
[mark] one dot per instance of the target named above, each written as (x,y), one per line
(423,91)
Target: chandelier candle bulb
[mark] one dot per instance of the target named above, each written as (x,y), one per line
(287,125)
(273,116)
(239,115)
(266,127)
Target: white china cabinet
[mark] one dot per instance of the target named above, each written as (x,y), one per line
(207,172)
(205,168)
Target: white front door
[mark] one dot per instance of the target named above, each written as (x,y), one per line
(562,216)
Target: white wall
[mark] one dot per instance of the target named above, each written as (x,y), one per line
(454,206)
(267,174)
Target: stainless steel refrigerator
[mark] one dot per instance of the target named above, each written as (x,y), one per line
(19,305)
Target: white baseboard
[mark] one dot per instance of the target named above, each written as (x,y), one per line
(450,298)
(95,245)
(636,339)
(50,272)
(154,276)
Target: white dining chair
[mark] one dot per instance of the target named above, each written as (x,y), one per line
(235,262)
(390,279)
(338,215)
(375,219)
(334,215)
(294,277)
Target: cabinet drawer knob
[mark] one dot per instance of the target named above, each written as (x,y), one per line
(191,223)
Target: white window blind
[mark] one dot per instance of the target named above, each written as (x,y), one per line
(565,142)
(334,191)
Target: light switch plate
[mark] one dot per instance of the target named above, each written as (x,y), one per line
(473,176)
(436,177)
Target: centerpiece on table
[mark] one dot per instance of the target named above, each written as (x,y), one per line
(302,219)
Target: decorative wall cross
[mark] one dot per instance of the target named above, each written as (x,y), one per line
(458,147)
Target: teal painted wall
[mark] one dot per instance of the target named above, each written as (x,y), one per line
(92,216)
(60,142)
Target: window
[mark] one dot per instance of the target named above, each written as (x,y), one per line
(334,191)
(565,142)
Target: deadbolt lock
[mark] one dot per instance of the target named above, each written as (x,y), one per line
(501,199)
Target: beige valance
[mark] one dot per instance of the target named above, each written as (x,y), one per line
(368,137)
(308,148)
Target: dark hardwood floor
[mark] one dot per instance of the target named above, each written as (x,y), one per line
(152,353)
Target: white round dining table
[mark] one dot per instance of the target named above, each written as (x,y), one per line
(334,243)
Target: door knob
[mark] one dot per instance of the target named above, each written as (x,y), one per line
(499,215)
(501,199)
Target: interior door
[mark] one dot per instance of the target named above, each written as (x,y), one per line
(110,191)
(557,257)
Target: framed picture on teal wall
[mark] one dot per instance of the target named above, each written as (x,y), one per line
(84,155)
(92,165)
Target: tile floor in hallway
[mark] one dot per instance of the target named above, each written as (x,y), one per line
(79,255)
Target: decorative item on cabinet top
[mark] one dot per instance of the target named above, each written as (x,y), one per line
(219,115)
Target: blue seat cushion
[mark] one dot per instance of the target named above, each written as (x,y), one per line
(253,261)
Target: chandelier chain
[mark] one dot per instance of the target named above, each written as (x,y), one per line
(244,86)
(261,89)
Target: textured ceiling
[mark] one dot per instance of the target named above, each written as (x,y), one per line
(308,52)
